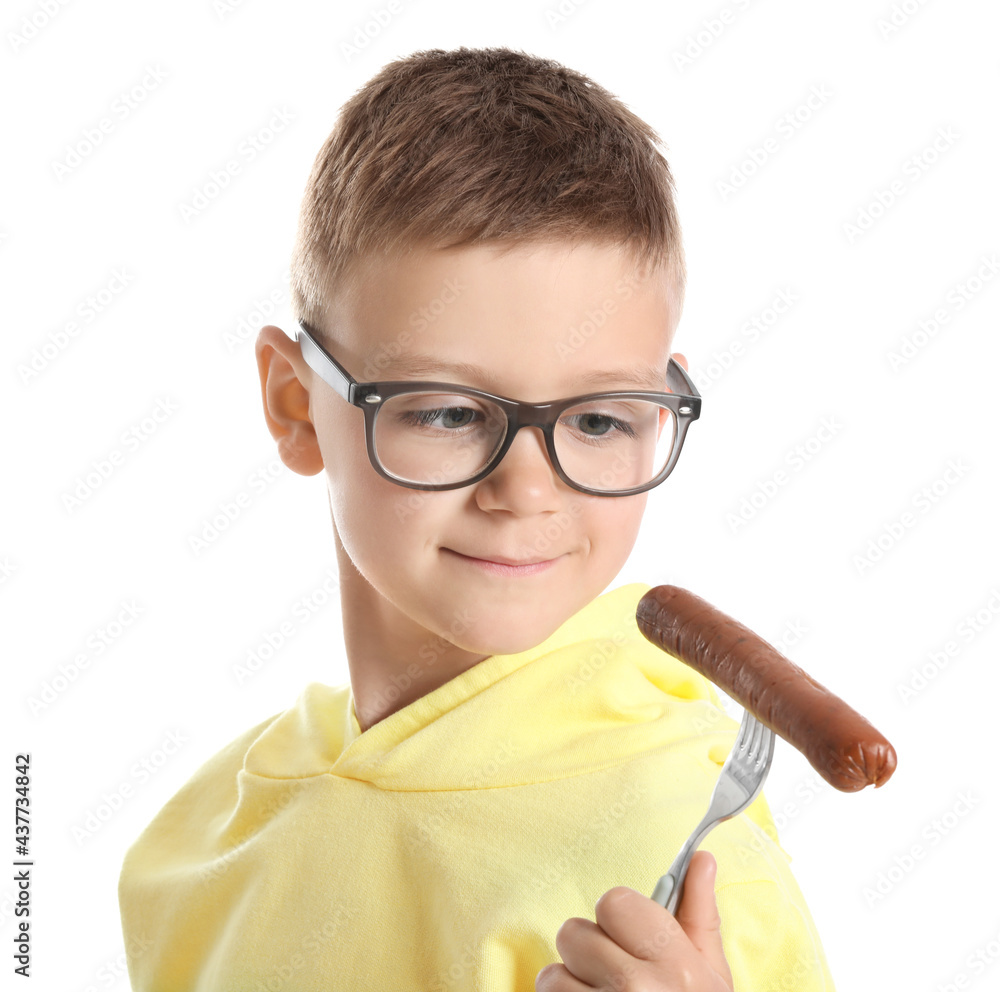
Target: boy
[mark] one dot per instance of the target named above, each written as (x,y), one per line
(482,229)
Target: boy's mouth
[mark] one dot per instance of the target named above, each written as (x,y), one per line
(503,565)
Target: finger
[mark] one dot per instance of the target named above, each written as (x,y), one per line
(638,925)
(698,913)
(589,954)
(557,978)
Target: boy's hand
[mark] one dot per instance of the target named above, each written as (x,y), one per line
(637,945)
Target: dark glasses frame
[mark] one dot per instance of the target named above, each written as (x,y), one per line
(684,401)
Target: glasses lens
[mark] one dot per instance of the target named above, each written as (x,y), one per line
(611,445)
(437,438)
(441,438)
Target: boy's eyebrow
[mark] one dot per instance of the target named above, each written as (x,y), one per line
(642,374)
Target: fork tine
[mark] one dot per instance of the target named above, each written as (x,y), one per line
(755,744)
(746,729)
(758,756)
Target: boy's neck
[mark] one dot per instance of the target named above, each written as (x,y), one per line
(393,661)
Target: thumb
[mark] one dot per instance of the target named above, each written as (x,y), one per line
(698,914)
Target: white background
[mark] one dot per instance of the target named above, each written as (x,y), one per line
(797,560)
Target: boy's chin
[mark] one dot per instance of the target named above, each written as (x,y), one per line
(507,635)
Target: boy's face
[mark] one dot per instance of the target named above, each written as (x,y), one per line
(527,318)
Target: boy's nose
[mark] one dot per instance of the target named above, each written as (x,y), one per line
(525,472)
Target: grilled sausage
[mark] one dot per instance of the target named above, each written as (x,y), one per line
(838,742)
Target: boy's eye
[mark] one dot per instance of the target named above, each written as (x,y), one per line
(600,425)
(453,416)
(437,411)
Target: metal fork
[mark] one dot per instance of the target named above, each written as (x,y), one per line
(739,784)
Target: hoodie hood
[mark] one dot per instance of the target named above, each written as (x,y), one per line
(593,694)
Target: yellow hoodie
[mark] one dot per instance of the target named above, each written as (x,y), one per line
(442,849)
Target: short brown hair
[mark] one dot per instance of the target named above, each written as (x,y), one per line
(446,149)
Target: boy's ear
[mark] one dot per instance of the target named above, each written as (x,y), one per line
(286,400)
(680,360)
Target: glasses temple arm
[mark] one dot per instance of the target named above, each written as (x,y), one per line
(323,363)
(677,377)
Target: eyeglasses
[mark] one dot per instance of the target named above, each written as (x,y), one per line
(438,436)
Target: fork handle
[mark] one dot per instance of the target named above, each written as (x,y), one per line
(664,893)
(670,887)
